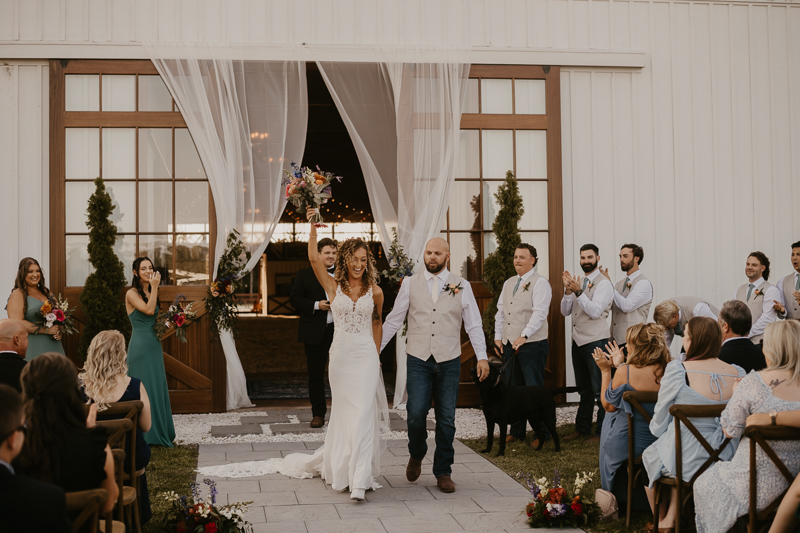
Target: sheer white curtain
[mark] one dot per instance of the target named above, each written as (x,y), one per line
(404,119)
(248,120)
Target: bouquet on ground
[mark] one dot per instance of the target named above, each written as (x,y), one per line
(221,299)
(56,312)
(178,316)
(307,188)
(193,515)
(553,506)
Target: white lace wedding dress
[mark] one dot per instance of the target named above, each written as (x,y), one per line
(351,454)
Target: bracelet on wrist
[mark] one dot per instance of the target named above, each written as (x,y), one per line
(578,293)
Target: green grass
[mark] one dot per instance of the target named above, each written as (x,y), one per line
(169,469)
(575,456)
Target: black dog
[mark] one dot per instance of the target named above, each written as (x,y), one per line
(503,404)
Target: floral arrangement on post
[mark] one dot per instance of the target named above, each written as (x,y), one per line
(57,312)
(221,299)
(193,515)
(306,188)
(400,267)
(178,316)
(553,506)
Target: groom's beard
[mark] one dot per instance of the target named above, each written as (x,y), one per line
(435,269)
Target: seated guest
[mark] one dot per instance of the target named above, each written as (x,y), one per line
(59,447)
(13,346)
(105,381)
(735,320)
(675,313)
(702,379)
(25,504)
(648,357)
(722,493)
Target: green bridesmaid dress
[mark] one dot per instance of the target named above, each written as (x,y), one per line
(146,363)
(39,343)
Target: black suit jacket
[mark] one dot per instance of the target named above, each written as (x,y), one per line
(11,365)
(305,291)
(744,353)
(30,505)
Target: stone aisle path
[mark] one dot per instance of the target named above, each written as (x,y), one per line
(486,499)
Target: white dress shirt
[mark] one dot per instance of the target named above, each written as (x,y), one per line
(329,318)
(768,313)
(701,309)
(640,294)
(469,313)
(601,297)
(541,295)
(782,297)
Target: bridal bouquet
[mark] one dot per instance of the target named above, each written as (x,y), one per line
(307,188)
(178,316)
(552,506)
(56,312)
(193,515)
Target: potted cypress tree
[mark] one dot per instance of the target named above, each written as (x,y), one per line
(499,265)
(101,297)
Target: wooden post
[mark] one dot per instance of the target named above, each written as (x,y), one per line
(263,286)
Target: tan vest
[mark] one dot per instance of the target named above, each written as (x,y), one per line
(687,305)
(586,329)
(755,304)
(434,328)
(621,321)
(792,307)
(517,310)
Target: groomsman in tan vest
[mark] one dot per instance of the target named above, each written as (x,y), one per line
(633,295)
(520,326)
(675,313)
(788,305)
(588,301)
(759,295)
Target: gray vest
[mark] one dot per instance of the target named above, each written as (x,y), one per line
(517,310)
(621,321)
(755,304)
(434,328)
(687,305)
(586,329)
(792,307)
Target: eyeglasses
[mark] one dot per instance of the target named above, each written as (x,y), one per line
(23,428)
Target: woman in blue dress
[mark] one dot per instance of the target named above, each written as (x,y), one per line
(648,357)
(29,294)
(702,379)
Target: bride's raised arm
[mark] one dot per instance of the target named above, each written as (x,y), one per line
(377,326)
(327,282)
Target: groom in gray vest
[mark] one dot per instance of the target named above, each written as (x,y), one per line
(436,301)
(632,295)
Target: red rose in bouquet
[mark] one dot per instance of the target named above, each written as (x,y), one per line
(211,528)
(180,320)
(60,316)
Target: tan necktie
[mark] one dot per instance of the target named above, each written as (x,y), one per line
(435,288)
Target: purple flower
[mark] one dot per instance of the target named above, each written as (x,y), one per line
(556,478)
(212,490)
(195,492)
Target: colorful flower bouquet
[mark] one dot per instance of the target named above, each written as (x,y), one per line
(221,299)
(400,267)
(307,188)
(56,312)
(553,506)
(193,515)
(178,316)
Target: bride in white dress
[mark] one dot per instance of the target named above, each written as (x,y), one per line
(350,457)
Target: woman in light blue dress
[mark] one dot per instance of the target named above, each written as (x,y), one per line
(722,493)
(702,379)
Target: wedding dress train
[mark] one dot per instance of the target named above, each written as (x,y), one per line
(350,456)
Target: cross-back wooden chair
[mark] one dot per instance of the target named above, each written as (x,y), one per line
(88,502)
(131,411)
(117,430)
(682,415)
(635,468)
(109,525)
(759,437)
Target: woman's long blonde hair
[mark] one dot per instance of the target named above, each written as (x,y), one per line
(647,347)
(105,361)
(782,347)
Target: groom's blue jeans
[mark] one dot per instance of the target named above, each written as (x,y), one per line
(426,379)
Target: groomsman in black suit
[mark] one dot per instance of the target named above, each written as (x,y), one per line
(735,319)
(316,327)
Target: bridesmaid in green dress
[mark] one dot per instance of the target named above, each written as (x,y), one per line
(145,356)
(29,294)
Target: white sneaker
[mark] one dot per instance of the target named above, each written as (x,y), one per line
(357,495)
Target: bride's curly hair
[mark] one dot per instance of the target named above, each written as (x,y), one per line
(344,256)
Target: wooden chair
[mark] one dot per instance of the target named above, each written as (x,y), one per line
(130,410)
(760,436)
(682,415)
(635,468)
(117,430)
(88,502)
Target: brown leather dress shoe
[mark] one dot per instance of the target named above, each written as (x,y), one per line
(317,421)
(574,436)
(596,438)
(511,438)
(413,469)
(445,484)
(535,443)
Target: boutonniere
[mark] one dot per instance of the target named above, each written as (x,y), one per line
(452,289)
(758,292)
(628,285)
(526,287)
(589,285)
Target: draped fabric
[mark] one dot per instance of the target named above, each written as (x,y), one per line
(404,119)
(248,120)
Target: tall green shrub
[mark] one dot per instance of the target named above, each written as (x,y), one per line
(499,265)
(101,297)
